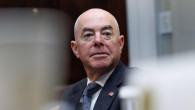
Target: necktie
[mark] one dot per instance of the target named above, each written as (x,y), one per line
(87,95)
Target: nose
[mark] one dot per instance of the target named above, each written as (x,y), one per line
(98,41)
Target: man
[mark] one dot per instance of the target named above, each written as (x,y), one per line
(98,44)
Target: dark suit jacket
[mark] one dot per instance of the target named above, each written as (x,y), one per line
(104,102)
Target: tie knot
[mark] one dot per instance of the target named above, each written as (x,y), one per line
(91,89)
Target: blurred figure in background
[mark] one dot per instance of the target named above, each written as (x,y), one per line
(167,83)
(31,56)
(98,44)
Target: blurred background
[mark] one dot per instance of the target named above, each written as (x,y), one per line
(35,54)
(36,60)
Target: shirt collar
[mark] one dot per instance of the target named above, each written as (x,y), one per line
(102,80)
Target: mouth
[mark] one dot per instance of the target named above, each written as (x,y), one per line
(99,55)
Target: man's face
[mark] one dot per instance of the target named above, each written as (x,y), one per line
(98,44)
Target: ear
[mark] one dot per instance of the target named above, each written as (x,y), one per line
(75,48)
(121,42)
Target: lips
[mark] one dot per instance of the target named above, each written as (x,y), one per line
(99,54)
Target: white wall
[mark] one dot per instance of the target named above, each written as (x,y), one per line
(141,30)
(183,25)
(145,40)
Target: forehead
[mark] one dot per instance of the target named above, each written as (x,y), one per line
(95,20)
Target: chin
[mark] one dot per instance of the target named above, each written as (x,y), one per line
(101,65)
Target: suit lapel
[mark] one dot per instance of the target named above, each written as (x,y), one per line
(77,92)
(110,90)
(104,100)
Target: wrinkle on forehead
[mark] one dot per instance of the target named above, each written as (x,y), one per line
(94,13)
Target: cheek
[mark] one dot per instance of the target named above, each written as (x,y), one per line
(83,50)
(114,47)
(112,43)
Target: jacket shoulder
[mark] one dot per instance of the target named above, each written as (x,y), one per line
(73,88)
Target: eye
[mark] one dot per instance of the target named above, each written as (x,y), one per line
(88,36)
(106,34)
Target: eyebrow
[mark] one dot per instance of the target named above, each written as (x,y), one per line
(90,29)
(107,27)
(87,29)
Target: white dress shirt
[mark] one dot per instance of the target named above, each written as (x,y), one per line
(101,81)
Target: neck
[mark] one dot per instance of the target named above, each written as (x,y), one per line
(93,76)
(95,73)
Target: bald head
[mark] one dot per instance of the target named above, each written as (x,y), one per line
(95,13)
(98,43)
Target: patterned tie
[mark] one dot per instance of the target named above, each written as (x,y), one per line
(87,95)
